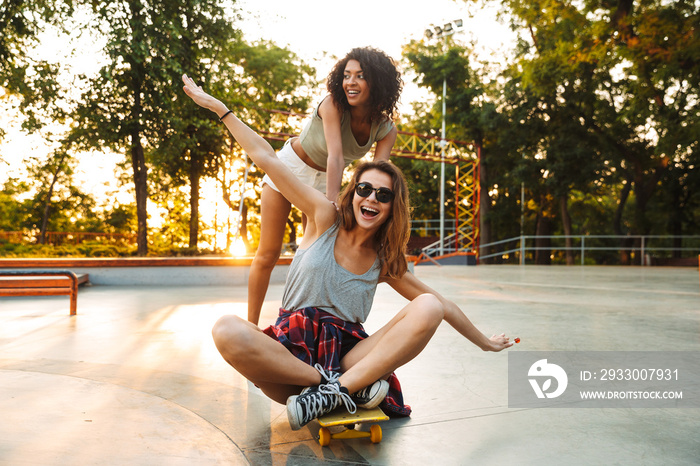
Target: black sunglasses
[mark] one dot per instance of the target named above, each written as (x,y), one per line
(383,195)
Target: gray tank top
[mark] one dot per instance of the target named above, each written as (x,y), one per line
(315,279)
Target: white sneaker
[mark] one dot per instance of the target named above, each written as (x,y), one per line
(370,397)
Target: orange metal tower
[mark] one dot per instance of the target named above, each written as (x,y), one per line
(466,160)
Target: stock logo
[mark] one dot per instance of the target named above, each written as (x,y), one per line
(541,370)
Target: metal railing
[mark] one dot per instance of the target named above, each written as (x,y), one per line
(452,243)
(585,246)
(433,249)
(425,227)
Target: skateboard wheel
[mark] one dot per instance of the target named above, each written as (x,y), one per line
(375,433)
(324,437)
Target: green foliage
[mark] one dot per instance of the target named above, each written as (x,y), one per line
(602,101)
(34,82)
(12,209)
(173,233)
(595,117)
(135,106)
(86,249)
(119,219)
(598,107)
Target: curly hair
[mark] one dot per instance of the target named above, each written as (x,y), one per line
(391,239)
(383,78)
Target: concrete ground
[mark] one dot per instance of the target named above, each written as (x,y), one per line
(135,379)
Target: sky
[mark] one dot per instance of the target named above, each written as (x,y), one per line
(319,31)
(311,28)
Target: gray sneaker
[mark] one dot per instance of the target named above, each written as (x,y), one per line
(370,397)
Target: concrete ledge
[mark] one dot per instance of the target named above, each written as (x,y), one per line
(33,262)
(674,262)
(154,271)
(454,258)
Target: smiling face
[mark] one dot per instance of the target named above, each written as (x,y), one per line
(355,85)
(369,212)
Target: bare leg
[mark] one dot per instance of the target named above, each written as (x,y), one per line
(399,341)
(262,360)
(274,211)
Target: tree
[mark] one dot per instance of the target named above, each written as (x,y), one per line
(57,205)
(618,85)
(33,82)
(55,167)
(122,107)
(262,75)
(202,38)
(267,84)
(557,94)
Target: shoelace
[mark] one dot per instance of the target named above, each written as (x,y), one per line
(365,392)
(314,406)
(330,376)
(332,387)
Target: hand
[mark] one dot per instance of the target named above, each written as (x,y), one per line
(500,342)
(201,98)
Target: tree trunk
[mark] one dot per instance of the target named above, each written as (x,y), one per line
(243,230)
(566,223)
(47,202)
(138,159)
(543,251)
(617,220)
(644,189)
(194,203)
(292,233)
(138,163)
(675,221)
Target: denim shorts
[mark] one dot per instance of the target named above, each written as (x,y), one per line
(307,175)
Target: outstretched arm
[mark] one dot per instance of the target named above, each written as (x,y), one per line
(410,287)
(310,201)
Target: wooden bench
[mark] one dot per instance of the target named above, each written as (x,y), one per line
(43,283)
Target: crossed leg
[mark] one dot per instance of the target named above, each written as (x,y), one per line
(261,359)
(279,374)
(392,346)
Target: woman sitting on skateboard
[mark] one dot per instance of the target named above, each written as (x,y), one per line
(318,341)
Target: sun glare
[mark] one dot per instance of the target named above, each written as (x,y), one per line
(237,248)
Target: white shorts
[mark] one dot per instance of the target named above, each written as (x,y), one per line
(307,175)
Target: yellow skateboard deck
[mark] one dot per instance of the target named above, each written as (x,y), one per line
(340,417)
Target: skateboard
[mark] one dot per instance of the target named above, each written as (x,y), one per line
(340,417)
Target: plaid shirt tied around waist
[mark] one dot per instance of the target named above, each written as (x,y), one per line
(315,336)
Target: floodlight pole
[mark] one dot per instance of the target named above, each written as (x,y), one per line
(443,143)
(442,33)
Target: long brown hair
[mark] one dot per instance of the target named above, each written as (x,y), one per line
(392,237)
